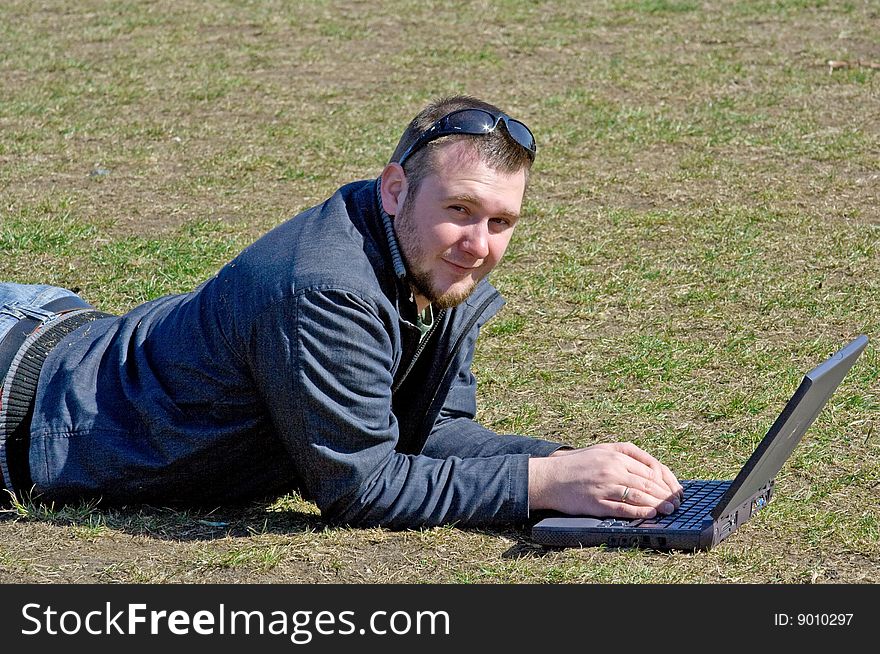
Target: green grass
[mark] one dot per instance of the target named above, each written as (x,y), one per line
(701,228)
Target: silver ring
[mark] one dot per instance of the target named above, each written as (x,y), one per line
(625,493)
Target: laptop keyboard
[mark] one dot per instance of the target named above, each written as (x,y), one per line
(700,497)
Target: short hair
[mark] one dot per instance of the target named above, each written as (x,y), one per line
(497,148)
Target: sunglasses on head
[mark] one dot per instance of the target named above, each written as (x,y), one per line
(475,122)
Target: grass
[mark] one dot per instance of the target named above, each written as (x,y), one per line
(701,228)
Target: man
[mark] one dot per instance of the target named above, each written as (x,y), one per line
(332,356)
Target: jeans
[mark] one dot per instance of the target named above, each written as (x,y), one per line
(27,296)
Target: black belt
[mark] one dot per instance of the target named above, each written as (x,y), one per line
(29,343)
(28,322)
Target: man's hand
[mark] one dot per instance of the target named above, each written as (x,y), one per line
(611,479)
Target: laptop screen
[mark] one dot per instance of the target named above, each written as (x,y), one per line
(799,413)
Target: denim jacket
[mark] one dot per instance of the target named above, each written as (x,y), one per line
(294,367)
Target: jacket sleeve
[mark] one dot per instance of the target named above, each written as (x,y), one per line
(456,433)
(323,361)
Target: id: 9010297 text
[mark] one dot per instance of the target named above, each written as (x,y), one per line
(812,619)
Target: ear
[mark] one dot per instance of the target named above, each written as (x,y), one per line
(393,188)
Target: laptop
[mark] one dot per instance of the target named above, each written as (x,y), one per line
(712,510)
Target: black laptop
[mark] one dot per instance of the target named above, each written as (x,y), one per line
(712,510)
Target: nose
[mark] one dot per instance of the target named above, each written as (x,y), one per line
(475,240)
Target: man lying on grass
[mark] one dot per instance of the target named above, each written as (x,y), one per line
(332,356)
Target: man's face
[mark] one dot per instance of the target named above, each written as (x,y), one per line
(457,226)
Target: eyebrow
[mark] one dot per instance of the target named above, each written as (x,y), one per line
(471,199)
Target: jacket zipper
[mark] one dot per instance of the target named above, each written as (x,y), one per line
(422,344)
(467,328)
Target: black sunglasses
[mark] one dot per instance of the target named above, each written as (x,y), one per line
(476,122)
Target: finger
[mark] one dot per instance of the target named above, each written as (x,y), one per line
(669,488)
(651,493)
(672,482)
(644,459)
(651,473)
(617,509)
(663,472)
(638,498)
(647,466)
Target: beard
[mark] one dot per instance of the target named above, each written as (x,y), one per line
(416,259)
